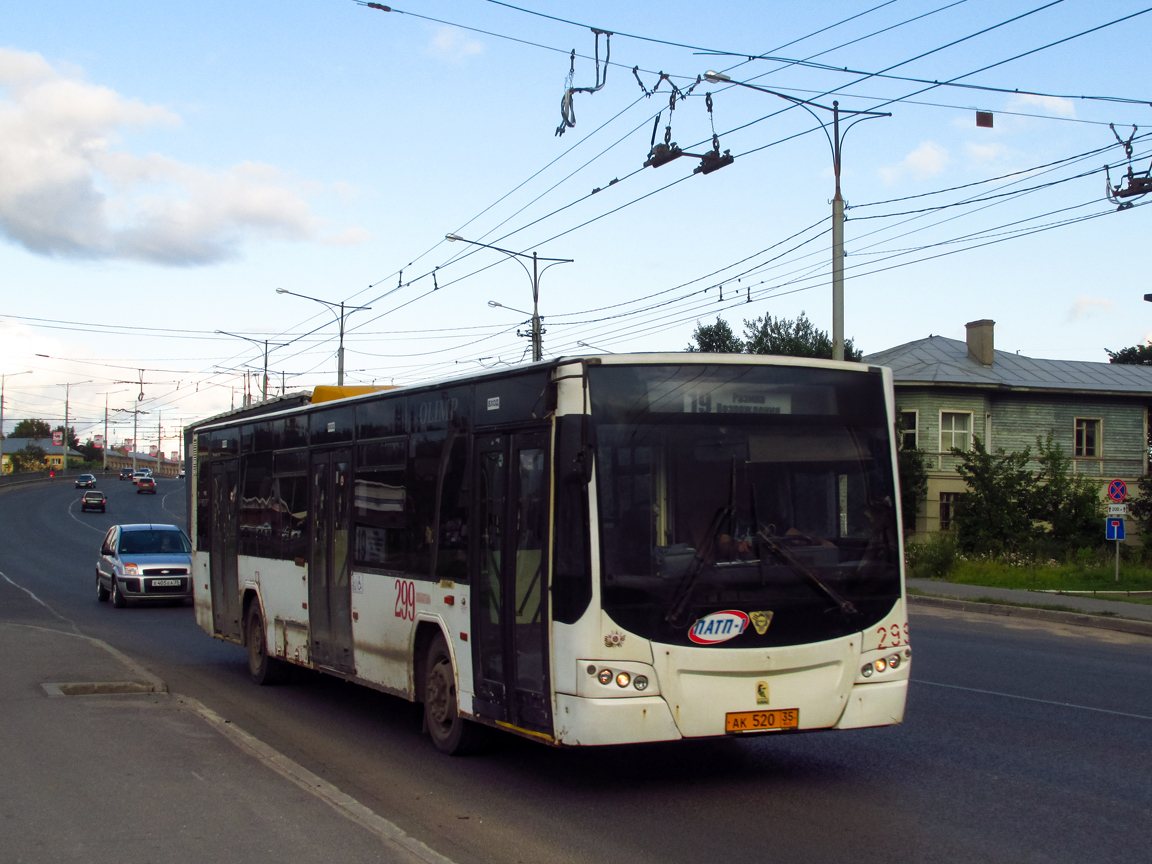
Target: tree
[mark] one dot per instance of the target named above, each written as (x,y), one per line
(768,335)
(1070,503)
(30,458)
(1137,355)
(716,338)
(798,338)
(32,429)
(91,452)
(997,513)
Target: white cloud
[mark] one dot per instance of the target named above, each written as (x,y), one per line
(454,43)
(927,160)
(982,154)
(68,189)
(1087,307)
(1054,105)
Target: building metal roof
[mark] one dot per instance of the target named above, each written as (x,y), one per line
(15,445)
(942,361)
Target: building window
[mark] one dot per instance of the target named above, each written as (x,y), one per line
(947,509)
(907,430)
(1087,437)
(955,431)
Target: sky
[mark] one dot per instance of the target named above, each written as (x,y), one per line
(165,168)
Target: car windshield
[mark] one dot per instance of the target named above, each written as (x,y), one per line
(153,542)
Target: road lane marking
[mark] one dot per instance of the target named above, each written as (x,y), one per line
(164,503)
(1031,699)
(82,522)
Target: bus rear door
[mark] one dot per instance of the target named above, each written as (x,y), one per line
(329,574)
(222,561)
(509,565)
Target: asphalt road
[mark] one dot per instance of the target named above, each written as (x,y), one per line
(1023,741)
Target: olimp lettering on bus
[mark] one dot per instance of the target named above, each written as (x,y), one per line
(718,627)
(436,412)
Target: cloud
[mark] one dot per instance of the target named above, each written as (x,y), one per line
(927,160)
(454,43)
(1054,105)
(1086,307)
(68,189)
(982,154)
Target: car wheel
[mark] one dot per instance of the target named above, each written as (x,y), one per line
(101,591)
(117,595)
(450,732)
(264,670)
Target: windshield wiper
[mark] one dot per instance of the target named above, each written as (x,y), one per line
(785,554)
(704,555)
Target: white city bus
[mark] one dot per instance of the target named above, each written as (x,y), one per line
(589,551)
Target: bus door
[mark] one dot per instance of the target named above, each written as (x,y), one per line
(222,564)
(329,573)
(509,570)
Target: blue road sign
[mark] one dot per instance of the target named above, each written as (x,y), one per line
(1117,490)
(1113,529)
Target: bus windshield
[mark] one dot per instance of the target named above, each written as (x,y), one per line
(763,489)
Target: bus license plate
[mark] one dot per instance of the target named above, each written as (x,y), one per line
(760,721)
(165,583)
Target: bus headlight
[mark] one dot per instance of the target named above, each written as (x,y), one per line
(866,670)
(640,682)
(623,679)
(881,664)
(605,676)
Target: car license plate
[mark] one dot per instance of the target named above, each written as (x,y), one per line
(761,721)
(165,583)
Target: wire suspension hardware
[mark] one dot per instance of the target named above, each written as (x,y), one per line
(662,154)
(1138,183)
(567,109)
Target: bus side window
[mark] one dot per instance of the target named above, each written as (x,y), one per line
(452,527)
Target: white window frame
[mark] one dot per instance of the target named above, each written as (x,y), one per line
(915,430)
(1099,421)
(952,432)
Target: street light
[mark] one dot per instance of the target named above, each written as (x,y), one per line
(537,334)
(64,449)
(835,141)
(256,342)
(340,318)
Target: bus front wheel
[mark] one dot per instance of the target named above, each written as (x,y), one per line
(264,670)
(450,732)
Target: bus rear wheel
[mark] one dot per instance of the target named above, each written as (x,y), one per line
(450,732)
(264,670)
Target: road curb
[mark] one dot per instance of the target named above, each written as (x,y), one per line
(1100,622)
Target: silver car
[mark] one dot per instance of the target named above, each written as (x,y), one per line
(144,562)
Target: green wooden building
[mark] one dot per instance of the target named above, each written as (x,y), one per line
(948,391)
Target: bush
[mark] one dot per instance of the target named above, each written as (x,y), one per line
(933,559)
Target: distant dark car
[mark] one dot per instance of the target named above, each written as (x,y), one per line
(93,501)
(145,484)
(125,473)
(144,562)
(85,481)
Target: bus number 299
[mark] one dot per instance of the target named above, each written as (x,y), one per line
(405,600)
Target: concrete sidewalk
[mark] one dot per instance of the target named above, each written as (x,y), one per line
(122,771)
(1089,605)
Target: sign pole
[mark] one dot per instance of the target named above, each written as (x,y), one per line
(1117,560)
